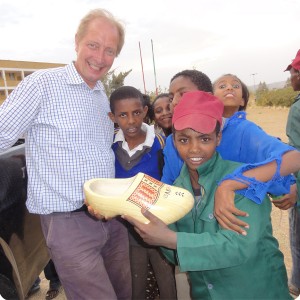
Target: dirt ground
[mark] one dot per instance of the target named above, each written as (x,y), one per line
(273,121)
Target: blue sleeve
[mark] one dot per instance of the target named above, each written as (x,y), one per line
(173,162)
(243,141)
(258,146)
(257,190)
(298,193)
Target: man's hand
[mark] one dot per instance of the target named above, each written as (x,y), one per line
(287,201)
(94,213)
(225,211)
(156,232)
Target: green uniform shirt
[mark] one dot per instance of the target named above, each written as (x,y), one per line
(293,133)
(221,263)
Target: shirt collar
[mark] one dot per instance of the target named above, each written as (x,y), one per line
(150,135)
(236,117)
(204,169)
(75,78)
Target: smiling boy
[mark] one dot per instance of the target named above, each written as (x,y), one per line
(221,263)
(138,149)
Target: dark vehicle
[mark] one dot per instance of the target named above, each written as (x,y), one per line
(23,252)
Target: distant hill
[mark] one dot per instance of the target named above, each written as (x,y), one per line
(276,85)
(271,86)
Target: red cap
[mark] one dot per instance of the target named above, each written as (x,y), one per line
(199,111)
(295,63)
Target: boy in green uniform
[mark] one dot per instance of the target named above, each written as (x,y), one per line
(221,263)
(293,133)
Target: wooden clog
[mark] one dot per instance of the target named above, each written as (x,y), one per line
(126,196)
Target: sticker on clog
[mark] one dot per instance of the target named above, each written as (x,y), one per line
(146,193)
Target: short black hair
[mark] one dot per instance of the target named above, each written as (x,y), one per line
(125,92)
(162,95)
(150,114)
(200,79)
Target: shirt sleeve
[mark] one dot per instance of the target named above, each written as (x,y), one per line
(294,126)
(18,112)
(257,190)
(257,145)
(170,254)
(172,162)
(293,133)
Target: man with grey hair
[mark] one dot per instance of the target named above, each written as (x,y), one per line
(63,113)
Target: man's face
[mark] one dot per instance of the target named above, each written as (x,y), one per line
(295,79)
(96,50)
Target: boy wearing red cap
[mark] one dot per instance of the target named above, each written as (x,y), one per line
(221,263)
(293,133)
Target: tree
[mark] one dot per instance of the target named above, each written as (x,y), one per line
(280,97)
(159,91)
(262,87)
(112,81)
(288,82)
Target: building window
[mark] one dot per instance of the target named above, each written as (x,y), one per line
(11,76)
(27,73)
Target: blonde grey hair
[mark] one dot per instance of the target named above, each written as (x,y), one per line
(105,14)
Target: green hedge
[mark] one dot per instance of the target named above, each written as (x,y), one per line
(280,97)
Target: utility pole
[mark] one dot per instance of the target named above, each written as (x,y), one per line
(156,91)
(142,68)
(254,90)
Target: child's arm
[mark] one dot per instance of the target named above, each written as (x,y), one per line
(156,232)
(286,201)
(196,251)
(225,209)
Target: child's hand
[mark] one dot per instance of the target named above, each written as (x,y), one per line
(286,201)
(225,211)
(156,232)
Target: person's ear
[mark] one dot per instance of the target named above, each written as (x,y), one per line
(219,138)
(112,117)
(76,43)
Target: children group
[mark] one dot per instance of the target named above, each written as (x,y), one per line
(200,140)
(212,145)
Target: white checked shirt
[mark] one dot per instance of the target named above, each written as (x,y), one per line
(68,136)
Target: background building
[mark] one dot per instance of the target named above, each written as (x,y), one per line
(12,72)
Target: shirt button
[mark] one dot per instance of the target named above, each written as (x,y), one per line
(210,286)
(211,216)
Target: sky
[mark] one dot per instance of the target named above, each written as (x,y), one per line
(255,40)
